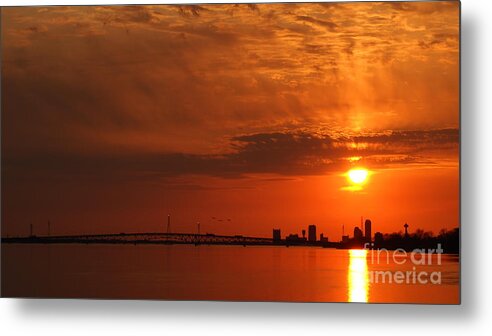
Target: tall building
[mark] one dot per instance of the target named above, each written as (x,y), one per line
(367,227)
(358,233)
(276,235)
(312,233)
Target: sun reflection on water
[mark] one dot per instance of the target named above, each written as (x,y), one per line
(358,276)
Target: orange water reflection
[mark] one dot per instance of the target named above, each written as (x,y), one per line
(358,276)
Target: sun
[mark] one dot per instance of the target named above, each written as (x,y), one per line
(358,176)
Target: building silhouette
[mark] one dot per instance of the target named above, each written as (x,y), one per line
(312,233)
(367,227)
(295,239)
(276,235)
(378,238)
(358,233)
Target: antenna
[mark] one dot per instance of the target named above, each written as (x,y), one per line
(343,229)
(168,223)
(198,225)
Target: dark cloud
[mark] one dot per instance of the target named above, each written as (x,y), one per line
(287,154)
(428,139)
(253,7)
(191,10)
(326,24)
(125,15)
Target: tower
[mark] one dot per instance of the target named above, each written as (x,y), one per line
(406,229)
(368,233)
(312,233)
(168,223)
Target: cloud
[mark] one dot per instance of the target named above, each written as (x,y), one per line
(168,89)
(282,154)
(326,24)
(191,10)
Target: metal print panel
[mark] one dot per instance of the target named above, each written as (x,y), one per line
(251,152)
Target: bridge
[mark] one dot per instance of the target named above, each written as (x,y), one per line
(143,238)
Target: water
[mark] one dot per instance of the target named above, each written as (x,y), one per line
(187,272)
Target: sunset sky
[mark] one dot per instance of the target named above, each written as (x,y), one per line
(113,117)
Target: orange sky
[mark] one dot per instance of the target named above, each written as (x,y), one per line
(114,116)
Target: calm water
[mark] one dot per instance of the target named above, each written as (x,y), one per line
(187,272)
